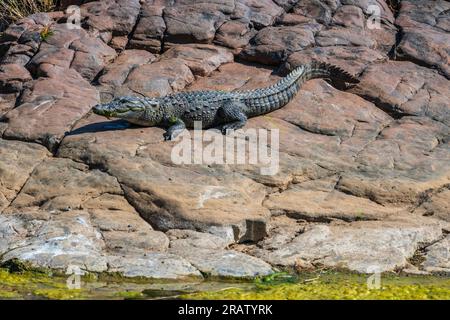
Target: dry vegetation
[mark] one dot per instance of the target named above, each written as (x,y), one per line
(12,10)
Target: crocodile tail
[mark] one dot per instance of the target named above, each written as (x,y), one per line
(337,76)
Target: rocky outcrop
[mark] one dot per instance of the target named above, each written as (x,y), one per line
(425,33)
(363,179)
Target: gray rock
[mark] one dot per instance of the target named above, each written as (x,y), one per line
(206,252)
(68,239)
(153,265)
(364,247)
(437,257)
(224,263)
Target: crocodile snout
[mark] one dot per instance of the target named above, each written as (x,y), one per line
(101,110)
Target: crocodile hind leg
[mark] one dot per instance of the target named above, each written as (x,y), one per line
(176,127)
(232,114)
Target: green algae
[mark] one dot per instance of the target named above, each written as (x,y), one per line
(336,286)
(60,293)
(129,294)
(28,284)
(25,283)
(6,294)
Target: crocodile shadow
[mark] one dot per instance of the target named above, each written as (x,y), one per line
(102,126)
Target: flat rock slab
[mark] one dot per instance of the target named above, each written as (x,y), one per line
(365,247)
(207,253)
(155,266)
(323,203)
(69,239)
(169,196)
(18,160)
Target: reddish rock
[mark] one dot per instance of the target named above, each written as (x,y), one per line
(18,161)
(405,88)
(191,202)
(234,34)
(22,39)
(352,59)
(114,16)
(425,33)
(118,43)
(235,76)
(13,77)
(386,15)
(349,16)
(320,10)
(339,36)
(50,106)
(291,19)
(150,29)
(160,78)
(17,54)
(406,159)
(49,54)
(73,48)
(262,13)
(273,45)
(7,102)
(91,56)
(115,74)
(172,72)
(330,112)
(179,26)
(62,184)
(322,203)
(201,59)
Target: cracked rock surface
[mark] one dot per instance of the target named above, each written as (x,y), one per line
(364,172)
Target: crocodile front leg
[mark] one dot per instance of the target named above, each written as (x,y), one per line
(176,127)
(233,115)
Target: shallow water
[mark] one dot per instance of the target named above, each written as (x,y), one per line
(319,285)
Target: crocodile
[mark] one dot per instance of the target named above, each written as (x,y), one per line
(228,110)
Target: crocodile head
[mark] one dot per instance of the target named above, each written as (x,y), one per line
(133,109)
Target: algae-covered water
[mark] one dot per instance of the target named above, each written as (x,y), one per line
(319,285)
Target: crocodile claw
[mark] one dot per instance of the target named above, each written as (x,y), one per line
(167,136)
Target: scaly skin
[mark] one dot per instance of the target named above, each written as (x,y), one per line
(230,110)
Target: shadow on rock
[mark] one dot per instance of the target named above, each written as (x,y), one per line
(102,126)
